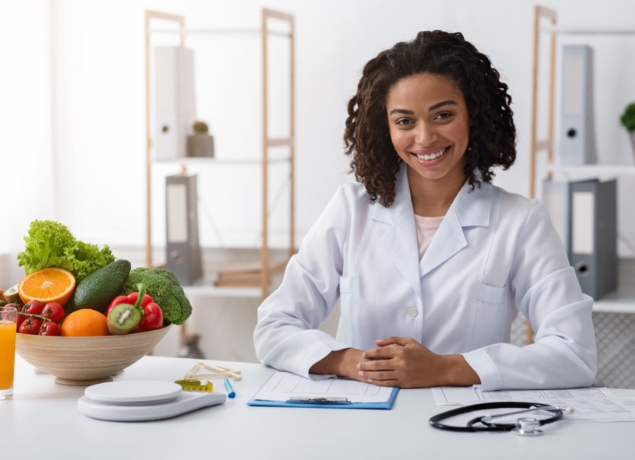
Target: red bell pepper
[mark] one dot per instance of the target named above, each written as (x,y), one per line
(153,315)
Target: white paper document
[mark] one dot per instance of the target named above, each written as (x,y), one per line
(589,404)
(283,386)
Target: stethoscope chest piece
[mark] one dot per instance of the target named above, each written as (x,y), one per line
(527,427)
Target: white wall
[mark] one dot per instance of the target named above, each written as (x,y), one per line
(27,177)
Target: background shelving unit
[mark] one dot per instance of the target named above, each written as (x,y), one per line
(613,314)
(267,268)
(545,21)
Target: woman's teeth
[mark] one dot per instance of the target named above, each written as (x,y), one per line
(432,156)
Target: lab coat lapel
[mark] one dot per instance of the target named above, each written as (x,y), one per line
(448,240)
(400,237)
(470,208)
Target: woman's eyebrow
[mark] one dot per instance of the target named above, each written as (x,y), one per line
(441,104)
(402,111)
(430,109)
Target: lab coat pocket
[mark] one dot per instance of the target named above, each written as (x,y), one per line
(489,316)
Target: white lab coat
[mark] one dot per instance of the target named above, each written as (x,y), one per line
(494,254)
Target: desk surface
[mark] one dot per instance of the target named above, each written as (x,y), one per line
(43,417)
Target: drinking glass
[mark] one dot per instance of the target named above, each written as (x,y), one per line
(8,319)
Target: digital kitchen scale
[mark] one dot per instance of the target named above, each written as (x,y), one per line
(143,400)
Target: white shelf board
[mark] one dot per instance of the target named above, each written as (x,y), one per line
(215,291)
(621,301)
(217,31)
(206,288)
(589,30)
(595,169)
(210,161)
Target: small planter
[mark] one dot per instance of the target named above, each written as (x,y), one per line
(200,145)
(632,135)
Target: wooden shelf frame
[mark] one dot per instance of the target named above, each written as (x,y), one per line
(267,142)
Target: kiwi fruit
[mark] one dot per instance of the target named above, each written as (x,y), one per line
(124,318)
(12,295)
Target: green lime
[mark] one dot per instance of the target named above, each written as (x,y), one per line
(12,295)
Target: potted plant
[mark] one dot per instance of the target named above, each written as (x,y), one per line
(628,121)
(200,144)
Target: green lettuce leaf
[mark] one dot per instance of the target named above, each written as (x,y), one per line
(51,244)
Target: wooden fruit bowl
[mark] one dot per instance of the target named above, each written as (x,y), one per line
(86,360)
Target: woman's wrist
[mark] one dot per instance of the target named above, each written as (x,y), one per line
(342,363)
(458,372)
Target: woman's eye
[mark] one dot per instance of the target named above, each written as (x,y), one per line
(403,121)
(443,116)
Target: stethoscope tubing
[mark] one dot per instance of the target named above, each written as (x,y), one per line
(436,420)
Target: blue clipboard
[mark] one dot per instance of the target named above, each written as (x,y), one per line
(324,403)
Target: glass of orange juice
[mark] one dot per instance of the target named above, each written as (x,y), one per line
(8,318)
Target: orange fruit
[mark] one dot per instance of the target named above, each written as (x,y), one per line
(47,285)
(84,323)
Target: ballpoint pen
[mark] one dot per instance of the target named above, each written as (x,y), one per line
(230,390)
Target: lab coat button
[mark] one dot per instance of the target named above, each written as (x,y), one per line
(412,311)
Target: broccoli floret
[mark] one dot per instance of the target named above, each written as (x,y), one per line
(165,289)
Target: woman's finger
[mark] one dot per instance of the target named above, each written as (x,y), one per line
(395,341)
(378,376)
(385,352)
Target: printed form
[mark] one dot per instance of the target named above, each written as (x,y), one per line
(592,404)
(283,386)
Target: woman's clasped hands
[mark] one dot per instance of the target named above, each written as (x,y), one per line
(405,363)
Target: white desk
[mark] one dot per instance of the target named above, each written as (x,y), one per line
(42,421)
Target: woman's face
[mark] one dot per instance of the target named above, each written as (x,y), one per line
(429,126)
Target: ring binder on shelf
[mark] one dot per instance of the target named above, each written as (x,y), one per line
(593,235)
(183,250)
(584,214)
(175,100)
(577,128)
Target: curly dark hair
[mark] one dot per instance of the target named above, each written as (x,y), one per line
(492,131)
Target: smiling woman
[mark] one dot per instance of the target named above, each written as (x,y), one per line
(431,263)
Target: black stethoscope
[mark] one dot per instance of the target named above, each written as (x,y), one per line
(524,426)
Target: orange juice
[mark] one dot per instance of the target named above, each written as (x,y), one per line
(7,354)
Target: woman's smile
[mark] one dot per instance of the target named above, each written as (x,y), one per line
(427,155)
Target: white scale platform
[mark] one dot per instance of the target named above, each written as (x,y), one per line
(143,400)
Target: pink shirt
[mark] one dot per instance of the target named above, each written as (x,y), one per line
(426,229)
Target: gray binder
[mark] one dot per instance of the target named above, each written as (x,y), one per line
(183,251)
(593,235)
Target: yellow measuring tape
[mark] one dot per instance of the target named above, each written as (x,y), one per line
(194,385)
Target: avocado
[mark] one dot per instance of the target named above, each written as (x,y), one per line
(100,287)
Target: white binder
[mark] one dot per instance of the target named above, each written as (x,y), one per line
(175,104)
(577,128)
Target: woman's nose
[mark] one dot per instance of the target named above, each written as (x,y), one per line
(426,134)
